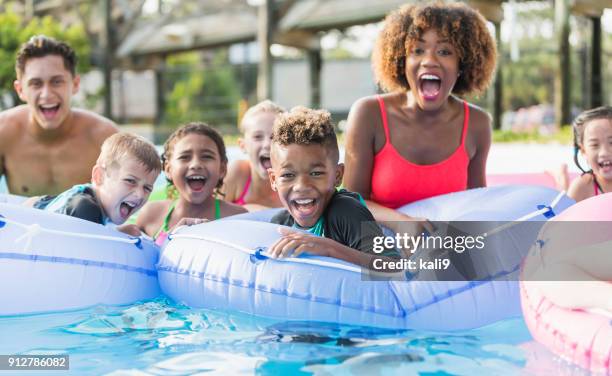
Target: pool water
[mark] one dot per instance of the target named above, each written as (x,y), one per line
(160,337)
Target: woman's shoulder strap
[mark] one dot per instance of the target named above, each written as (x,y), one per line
(383,115)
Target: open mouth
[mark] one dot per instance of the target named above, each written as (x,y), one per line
(126,209)
(264,161)
(304,207)
(49,110)
(430,85)
(196,182)
(606,166)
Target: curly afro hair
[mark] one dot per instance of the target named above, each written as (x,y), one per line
(304,126)
(464,27)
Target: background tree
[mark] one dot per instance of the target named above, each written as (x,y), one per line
(201,87)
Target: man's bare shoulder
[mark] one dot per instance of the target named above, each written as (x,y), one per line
(96,126)
(12,122)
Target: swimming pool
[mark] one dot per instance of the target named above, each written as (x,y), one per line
(161,337)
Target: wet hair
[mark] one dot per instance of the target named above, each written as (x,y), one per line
(124,145)
(41,46)
(193,128)
(263,106)
(578,126)
(465,29)
(304,126)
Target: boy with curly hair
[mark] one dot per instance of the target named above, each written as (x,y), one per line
(305,173)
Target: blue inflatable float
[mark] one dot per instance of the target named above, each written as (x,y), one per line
(222,265)
(6,198)
(51,262)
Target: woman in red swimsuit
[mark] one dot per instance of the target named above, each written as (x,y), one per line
(420,140)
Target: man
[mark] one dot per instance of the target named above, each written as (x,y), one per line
(46,146)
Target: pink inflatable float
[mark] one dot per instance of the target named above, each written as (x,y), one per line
(579,336)
(537,178)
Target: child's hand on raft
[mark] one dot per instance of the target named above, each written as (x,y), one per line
(186,221)
(293,243)
(130,229)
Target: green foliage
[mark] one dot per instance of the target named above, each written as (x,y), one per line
(563,136)
(14,31)
(198,92)
(530,80)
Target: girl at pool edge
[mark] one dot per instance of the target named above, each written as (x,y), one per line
(195,163)
(593,139)
(420,140)
(247,182)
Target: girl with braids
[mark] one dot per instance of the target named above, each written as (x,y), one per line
(420,139)
(195,164)
(593,139)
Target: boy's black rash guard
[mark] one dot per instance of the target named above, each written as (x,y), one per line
(81,203)
(347,221)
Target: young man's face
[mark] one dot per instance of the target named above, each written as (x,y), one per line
(305,177)
(47,87)
(124,189)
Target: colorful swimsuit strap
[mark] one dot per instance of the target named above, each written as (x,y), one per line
(162,234)
(217,208)
(164,227)
(240,200)
(318,229)
(596,187)
(385,121)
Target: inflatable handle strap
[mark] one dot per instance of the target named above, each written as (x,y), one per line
(545,210)
(261,252)
(549,213)
(258,255)
(35,229)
